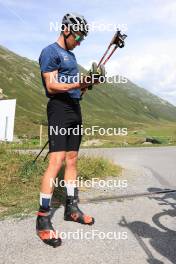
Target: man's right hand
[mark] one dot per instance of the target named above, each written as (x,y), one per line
(87,82)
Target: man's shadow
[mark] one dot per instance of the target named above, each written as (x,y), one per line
(162,238)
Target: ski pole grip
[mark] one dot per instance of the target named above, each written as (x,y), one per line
(118,39)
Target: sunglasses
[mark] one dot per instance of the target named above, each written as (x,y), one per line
(78,38)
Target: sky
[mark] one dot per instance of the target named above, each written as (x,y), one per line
(148,58)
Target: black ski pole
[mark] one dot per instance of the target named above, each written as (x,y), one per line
(41,151)
(46,156)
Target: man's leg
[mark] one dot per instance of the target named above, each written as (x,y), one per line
(72,212)
(71,165)
(55,163)
(43,225)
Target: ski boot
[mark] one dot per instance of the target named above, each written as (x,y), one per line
(73,213)
(45,230)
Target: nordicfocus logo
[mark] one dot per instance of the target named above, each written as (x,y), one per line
(88,131)
(93,234)
(93,26)
(92,183)
(80,77)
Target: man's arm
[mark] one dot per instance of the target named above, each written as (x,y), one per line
(54,87)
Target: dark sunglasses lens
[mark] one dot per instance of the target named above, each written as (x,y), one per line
(79,38)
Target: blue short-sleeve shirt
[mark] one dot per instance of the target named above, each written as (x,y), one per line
(54,57)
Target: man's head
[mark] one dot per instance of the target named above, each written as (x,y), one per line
(74,29)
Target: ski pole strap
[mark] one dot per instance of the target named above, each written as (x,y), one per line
(118,39)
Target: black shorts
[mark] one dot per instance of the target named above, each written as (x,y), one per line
(64,123)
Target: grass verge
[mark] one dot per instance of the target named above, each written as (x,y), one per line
(20,179)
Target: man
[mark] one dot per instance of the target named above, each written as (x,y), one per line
(63,110)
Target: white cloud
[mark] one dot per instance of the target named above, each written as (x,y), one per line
(20,4)
(166,11)
(152,67)
(157,11)
(148,58)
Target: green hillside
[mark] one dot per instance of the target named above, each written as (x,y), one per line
(115,105)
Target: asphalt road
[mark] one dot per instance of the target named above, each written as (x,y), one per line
(127,231)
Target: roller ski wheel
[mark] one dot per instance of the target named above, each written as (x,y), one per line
(94,69)
(93,73)
(102,70)
(102,73)
(45,230)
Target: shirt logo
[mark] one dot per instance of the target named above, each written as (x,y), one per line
(66,58)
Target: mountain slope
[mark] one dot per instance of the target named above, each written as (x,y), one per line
(108,104)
